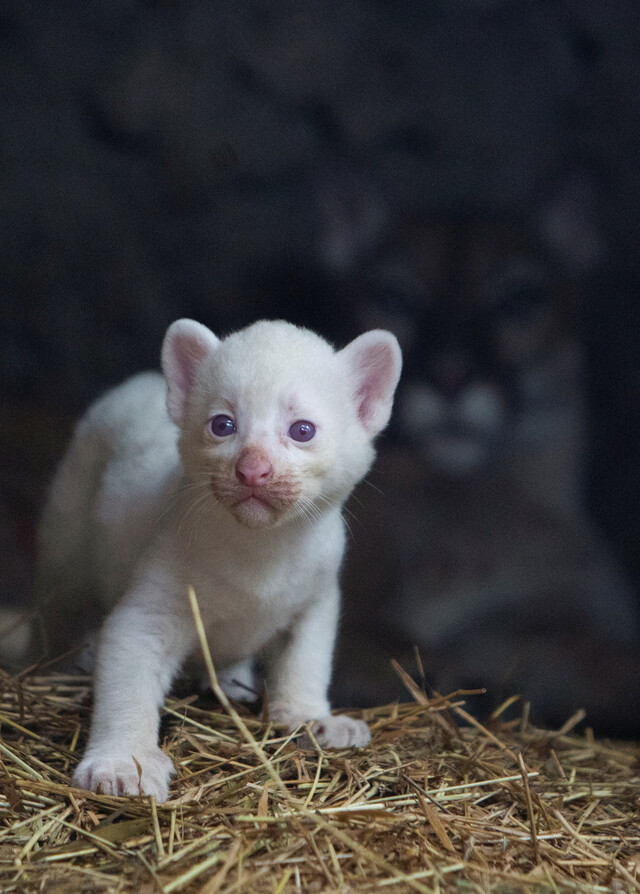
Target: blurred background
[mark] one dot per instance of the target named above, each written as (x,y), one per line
(462,172)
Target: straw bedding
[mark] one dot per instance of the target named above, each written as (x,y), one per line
(437,803)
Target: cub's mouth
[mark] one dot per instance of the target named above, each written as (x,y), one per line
(254,499)
(256,506)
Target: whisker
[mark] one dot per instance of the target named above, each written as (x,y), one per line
(192,514)
(307,511)
(345,510)
(202,511)
(373,486)
(352,515)
(183,488)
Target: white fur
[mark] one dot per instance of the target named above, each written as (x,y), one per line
(141,509)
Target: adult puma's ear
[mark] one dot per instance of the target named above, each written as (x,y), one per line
(373,362)
(185,346)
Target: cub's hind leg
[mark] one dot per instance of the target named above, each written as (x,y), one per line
(66,611)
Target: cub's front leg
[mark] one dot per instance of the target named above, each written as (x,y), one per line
(140,649)
(299,672)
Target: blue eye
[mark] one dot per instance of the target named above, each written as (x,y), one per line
(221,425)
(302,430)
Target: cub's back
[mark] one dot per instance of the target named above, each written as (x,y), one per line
(107,493)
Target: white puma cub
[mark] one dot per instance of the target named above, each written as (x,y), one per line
(236,491)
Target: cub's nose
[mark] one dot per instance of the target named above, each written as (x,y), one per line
(253,468)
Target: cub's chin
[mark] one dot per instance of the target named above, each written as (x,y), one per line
(253,512)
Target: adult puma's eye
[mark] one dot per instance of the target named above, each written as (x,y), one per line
(221,425)
(302,430)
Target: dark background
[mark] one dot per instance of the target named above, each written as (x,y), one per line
(163,159)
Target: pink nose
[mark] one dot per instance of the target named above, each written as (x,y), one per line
(253,469)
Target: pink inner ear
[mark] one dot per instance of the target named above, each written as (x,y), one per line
(187,352)
(184,352)
(376,381)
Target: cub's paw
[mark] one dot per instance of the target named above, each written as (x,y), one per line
(114,772)
(339,732)
(240,682)
(329,731)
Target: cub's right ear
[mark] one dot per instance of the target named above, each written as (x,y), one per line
(185,346)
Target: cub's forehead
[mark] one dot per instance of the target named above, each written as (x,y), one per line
(275,351)
(274,360)
(268,337)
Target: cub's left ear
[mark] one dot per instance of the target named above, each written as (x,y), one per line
(372,363)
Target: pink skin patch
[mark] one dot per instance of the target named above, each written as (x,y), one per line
(373,369)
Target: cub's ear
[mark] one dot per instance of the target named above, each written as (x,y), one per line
(372,364)
(185,346)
